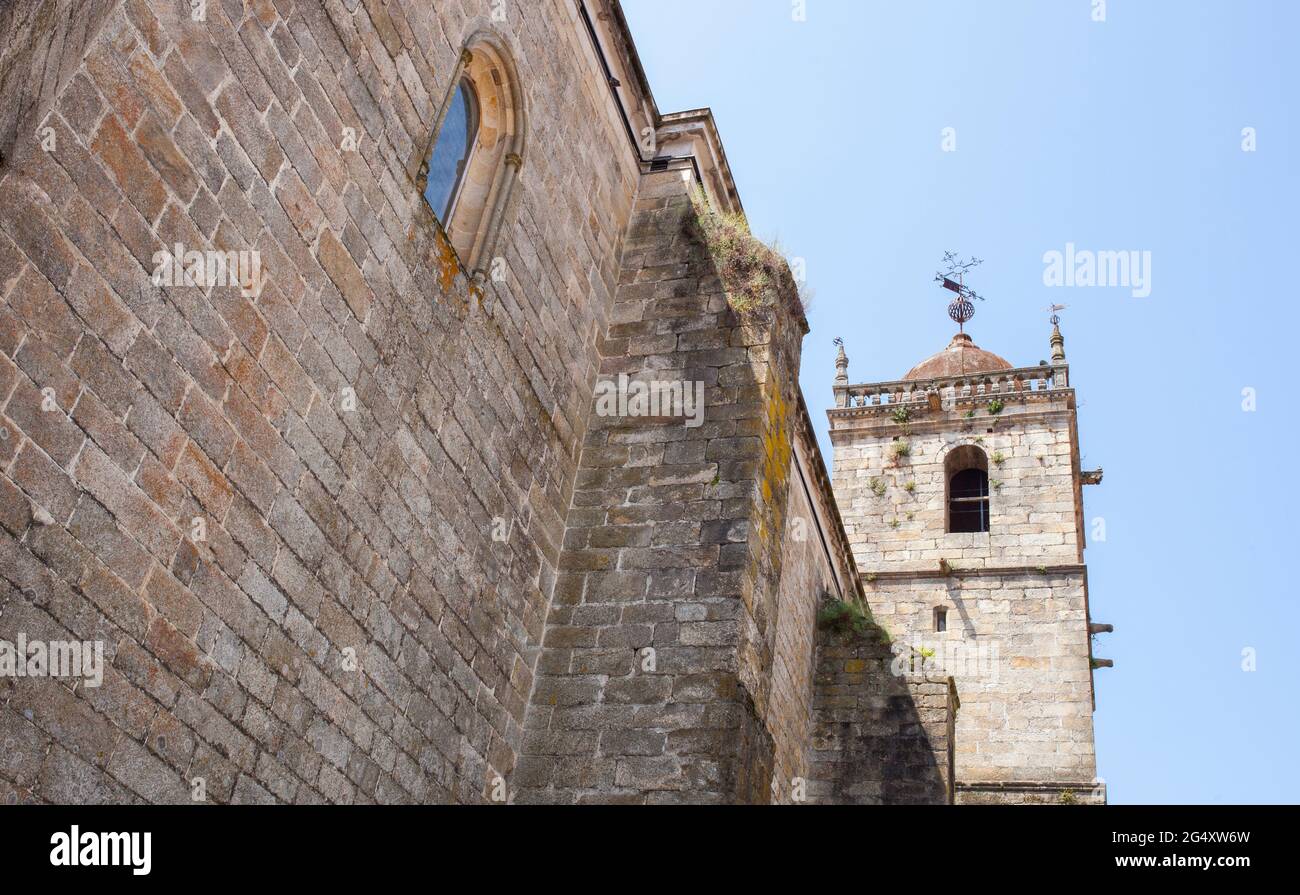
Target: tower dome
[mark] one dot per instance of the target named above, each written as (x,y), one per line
(962,357)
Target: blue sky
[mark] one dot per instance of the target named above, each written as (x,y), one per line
(1117,135)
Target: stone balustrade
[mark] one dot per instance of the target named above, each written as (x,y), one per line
(979,386)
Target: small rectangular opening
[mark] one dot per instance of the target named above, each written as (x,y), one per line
(940,619)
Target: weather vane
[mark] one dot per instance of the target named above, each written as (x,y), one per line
(962,308)
(1056,317)
(838,342)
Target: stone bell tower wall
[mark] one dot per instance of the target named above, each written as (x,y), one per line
(1016,638)
(895,505)
(1017,645)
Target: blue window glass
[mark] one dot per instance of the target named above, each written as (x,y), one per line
(451,152)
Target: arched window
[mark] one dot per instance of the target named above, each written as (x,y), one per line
(475,154)
(966,469)
(451,153)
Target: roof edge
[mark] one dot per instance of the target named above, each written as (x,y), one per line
(627,45)
(695,132)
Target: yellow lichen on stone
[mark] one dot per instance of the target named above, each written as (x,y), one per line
(448,263)
(776,456)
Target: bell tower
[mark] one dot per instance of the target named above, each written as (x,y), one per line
(961,490)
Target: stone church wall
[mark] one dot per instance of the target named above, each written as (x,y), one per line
(681,657)
(278,511)
(816,565)
(327,527)
(655,681)
(42,44)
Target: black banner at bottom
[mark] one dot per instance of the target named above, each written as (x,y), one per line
(360,844)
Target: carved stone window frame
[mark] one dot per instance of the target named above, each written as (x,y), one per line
(483,196)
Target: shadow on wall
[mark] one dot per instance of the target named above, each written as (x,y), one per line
(878,738)
(41,47)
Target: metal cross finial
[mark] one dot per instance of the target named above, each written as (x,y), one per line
(841,363)
(962,308)
(1053,309)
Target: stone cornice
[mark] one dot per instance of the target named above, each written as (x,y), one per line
(986,572)
(848,424)
(1026,786)
(925,385)
(694,133)
(971,401)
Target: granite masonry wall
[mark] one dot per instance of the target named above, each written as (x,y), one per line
(883,729)
(817,564)
(807,574)
(681,658)
(357,529)
(1032,506)
(655,681)
(1017,646)
(1017,624)
(42,44)
(277,510)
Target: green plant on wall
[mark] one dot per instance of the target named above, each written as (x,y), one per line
(878,487)
(753,273)
(909,487)
(998,458)
(920,659)
(842,616)
(996,406)
(898,450)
